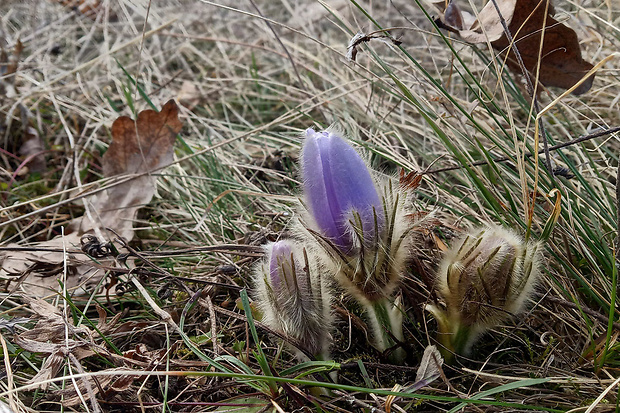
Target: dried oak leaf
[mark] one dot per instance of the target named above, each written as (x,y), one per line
(138,147)
(486,27)
(142,145)
(561,63)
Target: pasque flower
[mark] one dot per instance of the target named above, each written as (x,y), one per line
(360,227)
(339,190)
(293,298)
(484,279)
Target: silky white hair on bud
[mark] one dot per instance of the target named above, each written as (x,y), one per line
(484,279)
(294,299)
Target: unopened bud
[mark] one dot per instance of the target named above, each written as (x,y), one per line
(293,298)
(361,227)
(484,279)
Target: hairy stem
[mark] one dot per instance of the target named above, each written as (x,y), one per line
(387,325)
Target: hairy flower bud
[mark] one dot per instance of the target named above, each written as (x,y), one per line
(484,279)
(293,298)
(361,228)
(339,189)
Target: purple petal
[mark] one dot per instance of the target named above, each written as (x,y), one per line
(338,183)
(280,254)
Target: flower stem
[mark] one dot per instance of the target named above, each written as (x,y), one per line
(386,321)
(453,341)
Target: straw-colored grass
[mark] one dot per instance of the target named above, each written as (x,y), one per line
(250,77)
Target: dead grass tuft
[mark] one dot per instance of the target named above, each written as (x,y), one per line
(165,328)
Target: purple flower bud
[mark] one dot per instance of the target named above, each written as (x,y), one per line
(339,189)
(367,226)
(293,298)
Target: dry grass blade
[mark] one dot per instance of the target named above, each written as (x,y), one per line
(146,319)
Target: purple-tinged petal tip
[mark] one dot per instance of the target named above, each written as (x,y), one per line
(280,257)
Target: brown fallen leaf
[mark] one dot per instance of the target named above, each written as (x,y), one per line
(529,22)
(487,27)
(142,145)
(138,147)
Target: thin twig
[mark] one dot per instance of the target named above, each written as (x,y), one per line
(349,398)
(552,148)
(588,311)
